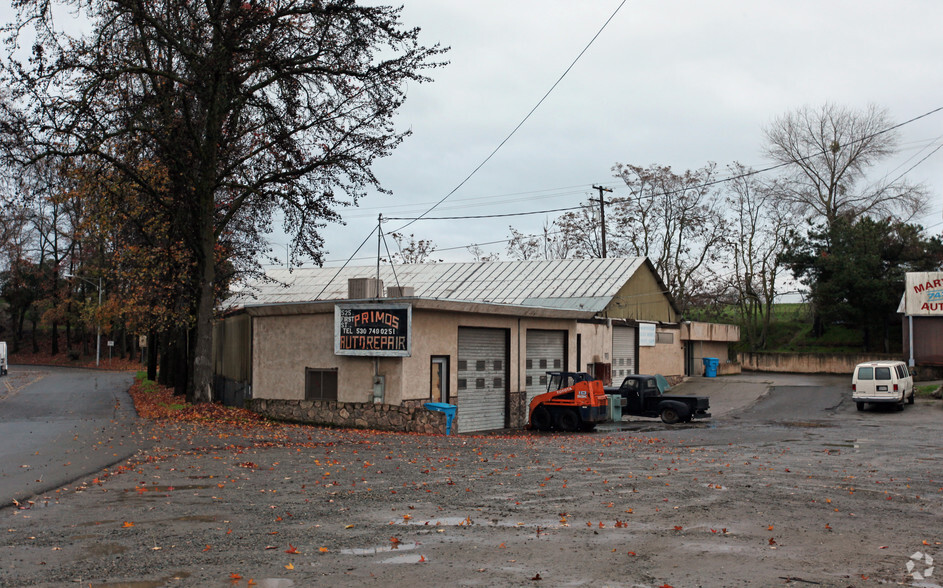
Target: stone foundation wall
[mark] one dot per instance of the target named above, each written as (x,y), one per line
(807,363)
(518,410)
(354,415)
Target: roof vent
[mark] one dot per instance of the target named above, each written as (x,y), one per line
(359,288)
(400,292)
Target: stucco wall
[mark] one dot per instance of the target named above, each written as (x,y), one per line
(596,343)
(666,359)
(284,345)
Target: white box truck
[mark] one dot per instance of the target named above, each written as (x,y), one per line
(3,358)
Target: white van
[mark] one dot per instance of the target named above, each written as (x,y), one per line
(882,382)
(3,358)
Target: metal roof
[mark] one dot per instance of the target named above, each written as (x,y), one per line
(569,284)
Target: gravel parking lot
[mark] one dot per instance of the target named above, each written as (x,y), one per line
(791,487)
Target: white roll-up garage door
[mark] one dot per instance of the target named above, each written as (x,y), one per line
(623,353)
(545,352)
(482,379)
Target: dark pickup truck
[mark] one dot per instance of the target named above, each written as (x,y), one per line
(644,397)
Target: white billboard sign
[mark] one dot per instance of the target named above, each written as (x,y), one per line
(646,335)
(924,294)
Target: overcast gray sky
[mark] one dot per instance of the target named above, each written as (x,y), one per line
(668,82)
(672,82)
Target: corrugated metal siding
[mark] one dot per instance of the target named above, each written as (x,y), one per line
(482,379)
(568,283)
(623,353)
(545,352)
(232,344)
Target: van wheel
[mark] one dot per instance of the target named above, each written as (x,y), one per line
(912,397)
(860,405)
(899,406)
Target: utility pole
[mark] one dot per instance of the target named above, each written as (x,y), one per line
(602,215)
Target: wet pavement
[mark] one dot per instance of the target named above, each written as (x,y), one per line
(787,485)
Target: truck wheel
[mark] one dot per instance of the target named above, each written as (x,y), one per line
(568,420)
(540,419)
(669,416)
(860,405)
(912,397)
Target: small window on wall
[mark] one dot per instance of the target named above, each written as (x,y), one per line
(662,338)
(320,384)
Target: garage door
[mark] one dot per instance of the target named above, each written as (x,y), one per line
(623,353)
(482,379)
(545,352)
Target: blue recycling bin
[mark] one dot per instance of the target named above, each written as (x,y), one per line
(710,367)
(448,409)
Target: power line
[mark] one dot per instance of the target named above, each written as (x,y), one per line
(479,216)
(746,174)
(520,124)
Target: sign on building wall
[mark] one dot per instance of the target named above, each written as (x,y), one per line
(374,330)
(924,294)
(646,334)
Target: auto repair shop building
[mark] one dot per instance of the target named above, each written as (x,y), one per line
(480,336)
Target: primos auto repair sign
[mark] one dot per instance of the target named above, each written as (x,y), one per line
(381,330)
(924,294)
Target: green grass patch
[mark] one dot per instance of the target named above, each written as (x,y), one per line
(925,390)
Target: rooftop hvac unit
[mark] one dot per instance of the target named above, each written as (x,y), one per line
(400,292)
(358,288)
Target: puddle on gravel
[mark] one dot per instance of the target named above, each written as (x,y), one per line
(380,549)
(198,518)
(471,522)
(95,523)
(165,489)
(145,583)
(406,559)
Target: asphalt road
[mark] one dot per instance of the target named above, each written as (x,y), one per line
(59,424)
(788,485)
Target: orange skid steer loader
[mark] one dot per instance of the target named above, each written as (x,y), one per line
(573,401)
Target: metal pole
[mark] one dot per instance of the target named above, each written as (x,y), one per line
(602,215)
(910,336)
(98,343)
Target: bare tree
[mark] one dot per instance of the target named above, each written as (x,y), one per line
(829,151)
(556,240)
(480,256)
(761,225)
(409,250)
(676,220)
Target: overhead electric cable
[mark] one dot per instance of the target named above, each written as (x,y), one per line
(520,124)
(419,218)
